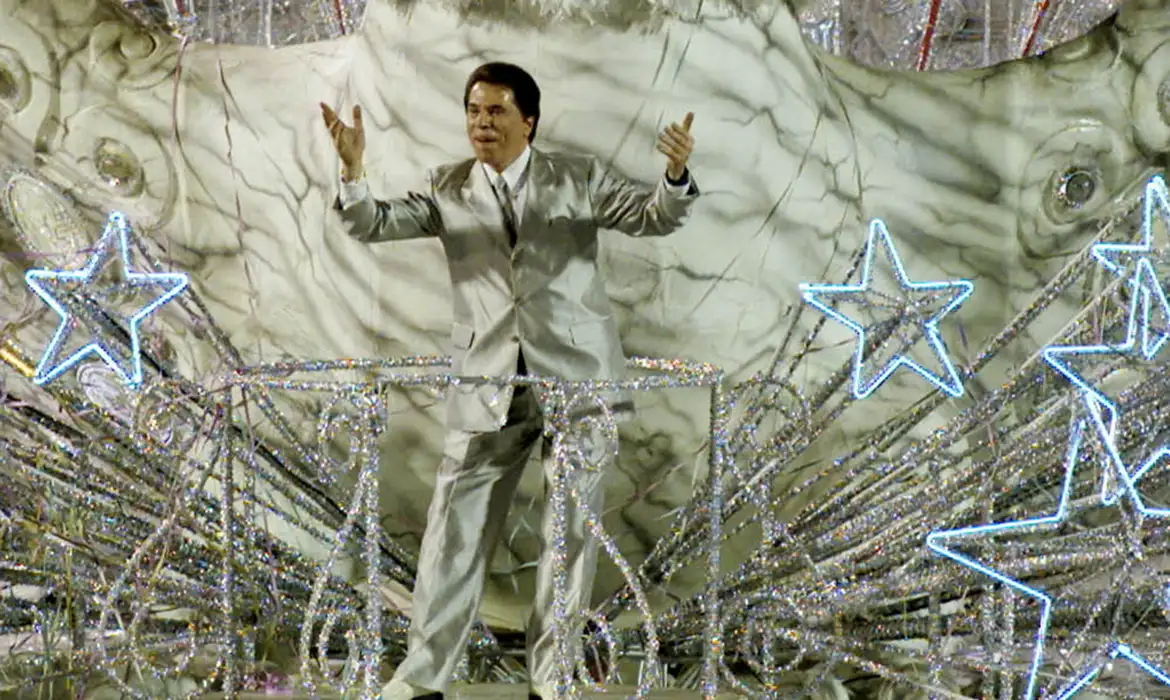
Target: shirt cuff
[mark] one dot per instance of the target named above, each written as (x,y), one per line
(680,188)
(351,193)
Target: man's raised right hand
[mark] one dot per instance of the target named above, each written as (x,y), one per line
(348,141)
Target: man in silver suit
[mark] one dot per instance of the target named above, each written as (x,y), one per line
(520,230)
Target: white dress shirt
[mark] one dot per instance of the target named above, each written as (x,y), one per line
(515,175)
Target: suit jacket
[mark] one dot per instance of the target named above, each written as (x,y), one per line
(546,295)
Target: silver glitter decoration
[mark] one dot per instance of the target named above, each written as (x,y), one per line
(250,22)
(584,436)
(152,524)
(176,501)
(949,34)
(882,33)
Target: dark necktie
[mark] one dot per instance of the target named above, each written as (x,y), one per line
(504,195)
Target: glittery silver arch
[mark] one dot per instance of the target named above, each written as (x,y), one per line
(896,34)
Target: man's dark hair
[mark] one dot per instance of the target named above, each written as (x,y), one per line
(516,79)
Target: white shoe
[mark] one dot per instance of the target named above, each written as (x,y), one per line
(401,690)
(544,692)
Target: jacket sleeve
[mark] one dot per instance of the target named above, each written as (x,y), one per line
(371,220)
(636,209)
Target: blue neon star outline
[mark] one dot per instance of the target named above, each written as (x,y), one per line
(940,542)
(116,233)
(1116,650)
(1103,415)
(1139,341)
(1131,261)
(1119,258)
(1148,296)
(879,235)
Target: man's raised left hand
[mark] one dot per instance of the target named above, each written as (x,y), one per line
(676,143)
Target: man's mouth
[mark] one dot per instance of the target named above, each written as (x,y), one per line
(485,138)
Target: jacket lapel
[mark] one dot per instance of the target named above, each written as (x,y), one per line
(481,203)
(540,191)
(540,197)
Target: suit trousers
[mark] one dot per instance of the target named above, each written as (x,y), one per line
(476,483)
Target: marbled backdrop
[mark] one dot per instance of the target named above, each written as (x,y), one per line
(218,154)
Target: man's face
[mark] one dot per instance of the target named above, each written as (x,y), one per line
(497,130)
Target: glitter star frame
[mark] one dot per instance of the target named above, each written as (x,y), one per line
(1132,262)
(1120,258)
(48,284)
(943,544)
(1116,651)
(1148,295)
(816,294)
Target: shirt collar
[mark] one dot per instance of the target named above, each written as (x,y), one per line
(514,173)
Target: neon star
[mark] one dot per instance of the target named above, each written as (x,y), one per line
(76,297)
(1147,302)
(944,542)
(1148,323)
(909,311)
(1117,650)
(1135,262)
(1120,258)
(941,543)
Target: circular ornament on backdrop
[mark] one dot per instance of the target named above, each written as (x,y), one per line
(131,56)
(124,163)
(1150,101)
(1071,178)
(15,82)
(50,231)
